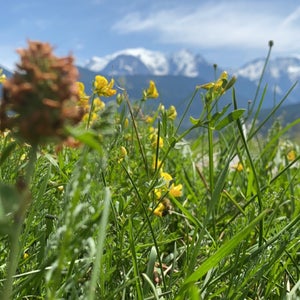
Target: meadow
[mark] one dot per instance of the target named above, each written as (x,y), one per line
(112,200)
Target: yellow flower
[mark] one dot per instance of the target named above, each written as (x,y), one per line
(2,76)
(151,92)
(219,87)
(176,190)
(157,193)
(93,117)
(60,188)
(239,167)
(291,155)
(122,153)
(83,98)
(154,137)
(98,104)
(154,141)
(104,88)
(163,208)
(23,156)
(172,113)
(149,119)
(126,123)
(166,176)
(160,210)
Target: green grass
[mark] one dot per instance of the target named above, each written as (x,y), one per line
(86,228)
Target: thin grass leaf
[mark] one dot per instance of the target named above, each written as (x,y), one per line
(100,247)
(149,283)
(150,269)
(7,151)
(220,254)
(139,290)
(231,117)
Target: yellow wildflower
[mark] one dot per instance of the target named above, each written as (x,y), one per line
(104,88)
(23,156)
(151,92)
(172,113)
(157,193)
(239,167)
(291,155)
(126,123)
(154,137)
(154,141)
(83,98)
(219,87)
(93,117)
(161,107)
(2,76)
(60,188)
(163,208)
(122,153)
(176,190)
(98,104)
(149,119)
(166,176)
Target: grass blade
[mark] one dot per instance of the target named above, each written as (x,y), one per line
(220,254)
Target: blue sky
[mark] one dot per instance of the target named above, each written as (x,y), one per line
(225,32)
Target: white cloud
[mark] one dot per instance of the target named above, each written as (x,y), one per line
(248,25)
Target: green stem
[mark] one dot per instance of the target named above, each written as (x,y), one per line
(26,200)
(211,164)
(137,135)
(100,248)
(91,111)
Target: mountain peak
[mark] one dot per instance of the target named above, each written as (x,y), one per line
(137,61)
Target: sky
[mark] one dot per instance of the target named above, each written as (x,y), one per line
(226,32)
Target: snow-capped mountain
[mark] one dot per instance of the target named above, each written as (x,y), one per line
(277,69)
(280,74)
(137,61)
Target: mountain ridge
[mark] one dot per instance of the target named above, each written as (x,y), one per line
(185,70)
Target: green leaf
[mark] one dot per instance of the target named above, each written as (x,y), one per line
(7,151)
(219,114)
(230,83)
(220,254)
(9,199)
(87,137)
(233,116)
(195,121)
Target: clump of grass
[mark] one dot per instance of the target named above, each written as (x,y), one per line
(129,207)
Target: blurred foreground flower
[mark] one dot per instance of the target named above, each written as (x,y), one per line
(42,96)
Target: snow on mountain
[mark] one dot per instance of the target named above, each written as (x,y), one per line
(280,68)
(155,61)
(184,63)
(134,61)
(252,70)
(280,75)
